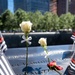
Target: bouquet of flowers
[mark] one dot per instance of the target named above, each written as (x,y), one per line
(52,65)
(26,27)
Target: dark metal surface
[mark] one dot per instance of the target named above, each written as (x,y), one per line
(13,40)
(37,64)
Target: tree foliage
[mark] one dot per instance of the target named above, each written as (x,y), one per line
(55,22)
(66,21)
(20,15)
(37,17)
(8,20)
(45,22)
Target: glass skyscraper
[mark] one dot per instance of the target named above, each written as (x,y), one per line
(22,4)
(3,5)
(32,5)
(11,5)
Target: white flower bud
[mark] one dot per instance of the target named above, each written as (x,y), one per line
(42,42)
(26,26)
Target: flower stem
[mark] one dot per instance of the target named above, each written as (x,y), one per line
(49,62)
(58,71)
(26,55)
(48,59)
(47,56)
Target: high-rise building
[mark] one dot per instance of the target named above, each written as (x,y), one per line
(61,7)
(72,6)
(32,5)
(22,4)
(3,5)
(55,6)
(11,5)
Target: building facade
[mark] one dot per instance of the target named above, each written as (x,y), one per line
(22,4)
(55,6)
(61,7)
(11,5)
(3,5)
(32,5)
(72,6)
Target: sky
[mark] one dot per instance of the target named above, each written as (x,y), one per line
(10,5)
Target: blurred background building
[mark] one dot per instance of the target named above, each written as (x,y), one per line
(3,5)
(56,6)
(32,5)
(22,4)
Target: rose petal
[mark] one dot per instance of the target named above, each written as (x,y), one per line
(51,64)
(58,67)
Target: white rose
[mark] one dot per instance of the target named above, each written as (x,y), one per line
(26,26)
(42,42)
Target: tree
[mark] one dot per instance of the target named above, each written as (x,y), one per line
(55,22)
(20,15)
(36,18)
(66,21)
(7,19)
(46,21)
